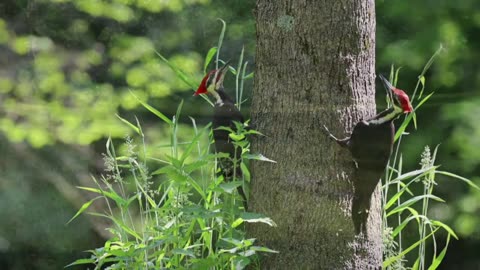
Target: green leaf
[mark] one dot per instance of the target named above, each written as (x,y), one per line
(394,198)
(245,172)
(132,126)
(416,264)
(252,131)
(421,78)
(407,120)
(236,137)
(192,144)
(186,252)
(431,60)
(232,70)
(391,74)
(446,227)
(81,261)
(195,165)
(131,199)
(220,40)
(233,241)
(438,260)
(125,228)
(179,110)
(237,79)
(242,80)
(395,78)
(154,111)
(411,201)
(240,262)
(229,187)
(180,74)
(225,128)
(415,173)
(249,75)
(83,208)
(140,132)
(180,176)
(237,222)
(208,58)
(393,259)
(469,182)
(402,225)
(112,195)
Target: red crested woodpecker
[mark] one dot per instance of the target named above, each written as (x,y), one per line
(225,113)
(371,144)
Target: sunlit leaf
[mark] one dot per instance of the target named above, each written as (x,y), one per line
(137,130)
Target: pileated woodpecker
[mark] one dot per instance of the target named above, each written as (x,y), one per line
(371,144)
(225,113)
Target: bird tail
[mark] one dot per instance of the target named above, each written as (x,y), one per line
(365,183)
(360,208)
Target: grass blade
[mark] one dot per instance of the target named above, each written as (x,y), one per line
(84,207)
(438,260)
(136,129)
(468,181)
(220,41)
(153,110)
(209,58)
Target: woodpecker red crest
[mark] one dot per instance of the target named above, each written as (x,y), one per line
(403,99)
(202,88)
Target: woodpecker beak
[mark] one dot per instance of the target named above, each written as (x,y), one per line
(220,75)
(389,87)
(397,95)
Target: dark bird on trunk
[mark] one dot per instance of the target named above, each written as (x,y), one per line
(371,144)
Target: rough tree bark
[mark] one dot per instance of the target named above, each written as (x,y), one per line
(314,66)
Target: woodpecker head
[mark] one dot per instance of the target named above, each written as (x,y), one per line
(397,96)
(213,81)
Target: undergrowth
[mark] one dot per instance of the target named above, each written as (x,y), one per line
(180,214)
(400,202)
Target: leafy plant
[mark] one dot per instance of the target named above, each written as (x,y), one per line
(183,215)
(399,209)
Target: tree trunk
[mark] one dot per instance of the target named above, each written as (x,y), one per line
(314,66)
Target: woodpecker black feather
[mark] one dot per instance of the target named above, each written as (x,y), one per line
(371,143)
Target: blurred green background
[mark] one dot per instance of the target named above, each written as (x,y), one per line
(66,68)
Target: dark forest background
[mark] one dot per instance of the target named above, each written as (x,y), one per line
(67,68)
